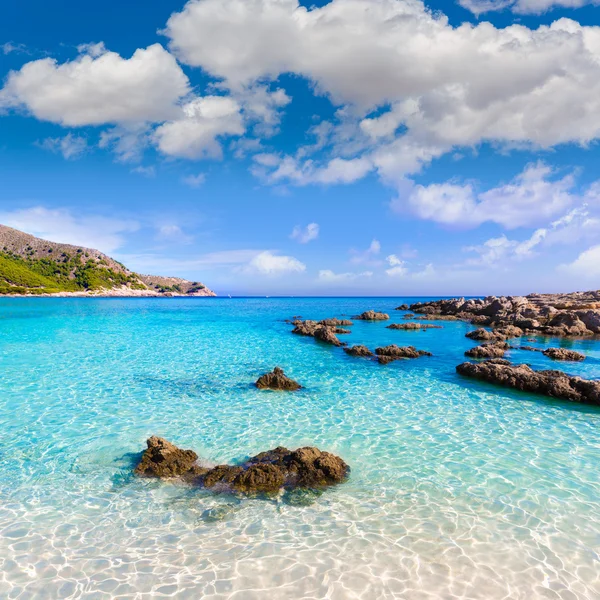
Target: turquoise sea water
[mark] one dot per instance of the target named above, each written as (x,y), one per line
(458,489)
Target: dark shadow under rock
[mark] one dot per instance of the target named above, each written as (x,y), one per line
(359,351)
(278,381)
(391,353)
(163,459)
(521,377)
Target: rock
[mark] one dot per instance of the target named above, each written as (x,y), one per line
(277,381)
(563,354)
(521,377)
(163,459)
(326,335)
(306,328)
(360,351)
(530,348)
(402,307)
(481,335)
(408,316)
(341,331)
(371,315)
(336,323)
(413,326)
(508,332)
(222,475)
(260,478)
(391,353)
(493,350)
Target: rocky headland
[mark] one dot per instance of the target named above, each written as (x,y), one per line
(266,473)
(576,314)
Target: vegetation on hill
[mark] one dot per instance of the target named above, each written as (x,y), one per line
(65,273)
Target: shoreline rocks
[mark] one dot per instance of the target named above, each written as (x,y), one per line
(563,315)
(359,351)
(371,315)
(266,473)
(555,384)
(491,350)
(413,326)
(277,380)
(391,353)
(563,354)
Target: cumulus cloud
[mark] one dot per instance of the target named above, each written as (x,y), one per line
(586,266)
(303,235)
(522,6)
(195,133)
(269,263)
(60,225)
(71,147)
(99,87)
(368,256)
(531,198)
(398,267)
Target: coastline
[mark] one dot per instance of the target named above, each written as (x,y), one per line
(115,293)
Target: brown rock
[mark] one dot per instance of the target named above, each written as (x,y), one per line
(391,353)
(563,354)
(223,475)
(277,381)
(493,350)
(336,323)
(326,335)
(163,459)
(260,478)
(403,307)
(360,351)
(413,326)
(521,377)
(371,315)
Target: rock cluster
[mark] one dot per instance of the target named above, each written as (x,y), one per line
(521,377)
(499,335)
(563,354)
(391,353)
(359,351)
(277,380)
(413,326)
(402,307)
(491,350)
(371,315)
(265,473)
(318,330)
(576,314)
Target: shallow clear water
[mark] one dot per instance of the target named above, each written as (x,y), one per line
(458,489)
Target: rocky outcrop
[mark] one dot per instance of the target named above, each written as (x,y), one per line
(402,307)
(266,473)
(563,354)
(326,335)
(521,377)
(336,323)
(391,353)
(277,380)
(359,351)
(371,315)
(413,326)
(163,459)
(323,333)
(492,350)
(576,314)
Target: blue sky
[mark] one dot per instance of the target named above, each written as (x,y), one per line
(387,147)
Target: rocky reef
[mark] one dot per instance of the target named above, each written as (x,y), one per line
(491,350)
(391,353)
(266,473)
(371,315)
(278,381)
(576,314)
(413,326)
(359,351)
(521,377)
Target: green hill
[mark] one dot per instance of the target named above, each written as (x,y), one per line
(30,265)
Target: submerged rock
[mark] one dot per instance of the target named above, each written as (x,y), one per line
(266,473)
(391,353)
(413,326)
(277,380)
(163,459)
(371,315)
(493,350)
(521,377)
(360,351)
(563,354)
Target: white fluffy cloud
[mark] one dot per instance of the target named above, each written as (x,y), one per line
(269,263)
(60,225)
(586,266)
(368,256)
(328,276)
(522,6)
(398,267)
(305,234)
(195,181)
(99,87)
(194,133)
(532,198)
